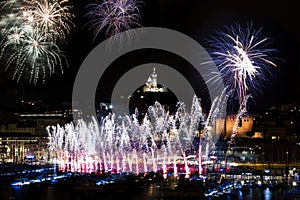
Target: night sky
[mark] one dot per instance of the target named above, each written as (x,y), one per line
(197,19)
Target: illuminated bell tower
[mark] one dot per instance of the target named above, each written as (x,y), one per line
(154,78)
(151,84)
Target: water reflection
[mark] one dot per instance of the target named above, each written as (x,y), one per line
(151,191)
(267,194)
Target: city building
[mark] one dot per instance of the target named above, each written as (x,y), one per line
(279,122)
(17,128)
(245,125)
(42,120)
(21,147)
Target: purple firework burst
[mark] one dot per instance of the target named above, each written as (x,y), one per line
(243,58)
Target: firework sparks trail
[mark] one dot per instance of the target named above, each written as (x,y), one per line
(29,33)
(244,61)
(113,16)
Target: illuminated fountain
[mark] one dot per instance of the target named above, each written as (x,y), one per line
(123,144)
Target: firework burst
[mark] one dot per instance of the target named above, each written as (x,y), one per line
(35,56)
(53,17)
(243,58)
(113,16)
(29,33)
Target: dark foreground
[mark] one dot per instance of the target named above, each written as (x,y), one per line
(151,191)
(75,186)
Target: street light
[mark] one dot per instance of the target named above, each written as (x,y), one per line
(250,157)
(287,168)
(294,183)
(263,163)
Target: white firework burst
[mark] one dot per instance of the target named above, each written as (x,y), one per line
(35,55)
(29,34)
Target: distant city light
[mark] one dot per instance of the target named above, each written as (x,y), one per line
(41,115)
